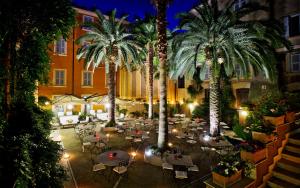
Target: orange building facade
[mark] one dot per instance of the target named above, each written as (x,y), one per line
(68,76)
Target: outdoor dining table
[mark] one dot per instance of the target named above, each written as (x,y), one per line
(113,157)
(137,133)
(182,160)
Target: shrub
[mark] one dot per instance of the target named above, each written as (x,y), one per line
(201,111)
(252,146)
(239,130)
(82,117)
(271,105)
(229,165)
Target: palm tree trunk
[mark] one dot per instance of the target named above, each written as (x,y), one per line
(214,105)
(162,53)
(111,92)
(7,87)
(150,64)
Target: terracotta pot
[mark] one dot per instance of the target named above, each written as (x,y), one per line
(224,181)
(262,137)
(290,117)
(275,120)
(254,157)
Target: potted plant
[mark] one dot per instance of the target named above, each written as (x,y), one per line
(82,117)
(228,171)
(272,108)
(253,151)
(261,131)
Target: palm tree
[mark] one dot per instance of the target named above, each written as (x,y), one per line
(215,39)
(111,45)
(147,34)
(161,23)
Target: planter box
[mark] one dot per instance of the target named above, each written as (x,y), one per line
(226,181)
(254,157)
(275,120)
(262,137)
(290,117)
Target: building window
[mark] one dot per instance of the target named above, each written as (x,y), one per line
(295,62)
(239,4)
(60,47)
(292,25)
(181,82)
(87,78)
(242,96)
(87,19)
(59,77)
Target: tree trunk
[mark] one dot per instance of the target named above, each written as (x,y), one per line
(150,64)
(7,87)
(214,105)
(111,92)
(162,53)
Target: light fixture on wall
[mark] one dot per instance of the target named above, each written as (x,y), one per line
(107,105)
(220,60)
(69,106)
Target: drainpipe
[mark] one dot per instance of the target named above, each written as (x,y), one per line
(73,60)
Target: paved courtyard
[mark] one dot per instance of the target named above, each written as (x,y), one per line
(140,173)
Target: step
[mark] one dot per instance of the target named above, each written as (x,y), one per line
(278,183)
(294,139)
(286,176)
(293,147)
(295,157)
(289,165)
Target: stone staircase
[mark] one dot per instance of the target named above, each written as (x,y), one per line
(286,174)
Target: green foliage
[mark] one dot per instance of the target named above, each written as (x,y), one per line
(195,89)
(136,114)
(42,100)
(252,146)
(121,111)
(247,43)
(110,124)
(255,123)
(271,105)
(201,111)
(31,159)
(248,168)
(239,130)
(82,117)
(110,39)
(228,165)
(172,109)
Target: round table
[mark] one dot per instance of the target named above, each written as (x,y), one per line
(113,157)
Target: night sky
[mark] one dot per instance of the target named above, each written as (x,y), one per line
(137,8)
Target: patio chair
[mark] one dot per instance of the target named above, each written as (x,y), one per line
(120,169)
(85,144)
(181,174)
(193,168)
(137,140)
(167,166)
(128,138)
(98,167)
